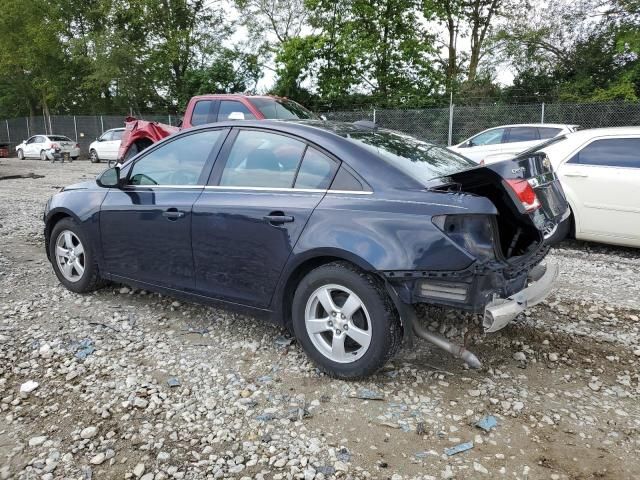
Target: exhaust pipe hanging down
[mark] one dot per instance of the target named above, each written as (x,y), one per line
(456,350)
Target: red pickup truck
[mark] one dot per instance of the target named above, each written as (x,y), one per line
(139,134)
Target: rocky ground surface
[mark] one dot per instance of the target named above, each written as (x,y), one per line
(128,384)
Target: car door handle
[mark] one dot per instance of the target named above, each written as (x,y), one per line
(276,218)
(172,214)
(581,175)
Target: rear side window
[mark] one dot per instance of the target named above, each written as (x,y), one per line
(117,135)
(234,110)
(179,162)
(262,159)
(548,132)
(522,134)
(202,112)
(610,152)
(316,170)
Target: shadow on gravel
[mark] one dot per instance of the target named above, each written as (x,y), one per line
(24,175)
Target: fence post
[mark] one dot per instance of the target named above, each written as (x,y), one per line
(101,125)
(450,136)
(8,134)
(28,131)
(374,115)
(75,127)
(542,117)
(170,119)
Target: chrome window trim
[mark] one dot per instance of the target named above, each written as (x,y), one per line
(251,189)
(148,187)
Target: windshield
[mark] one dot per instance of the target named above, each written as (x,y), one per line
(421,160)
(282,109)
(59,138)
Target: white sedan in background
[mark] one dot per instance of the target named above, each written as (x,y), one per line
(599,170)
(509,139)
(48,147)
(106,146)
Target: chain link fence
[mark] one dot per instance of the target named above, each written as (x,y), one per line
(438,125)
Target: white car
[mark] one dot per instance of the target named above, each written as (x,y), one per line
(106,146)
(48,147)
(599,170)
(508,139)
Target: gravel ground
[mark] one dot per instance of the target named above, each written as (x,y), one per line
(130,384)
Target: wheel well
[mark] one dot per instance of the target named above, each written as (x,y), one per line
(55,218)
(296,276)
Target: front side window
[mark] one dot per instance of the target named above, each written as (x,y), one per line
(179,162)
(32,140)
(106,136)
(610,152)
(492,137)
(202,112)
(522,134)
(234,110)
(40,139)
(262,159)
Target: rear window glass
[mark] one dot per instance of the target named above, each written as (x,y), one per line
(281,109)
(421,160)
(59,138)
(548,132)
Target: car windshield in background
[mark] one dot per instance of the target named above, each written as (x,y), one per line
(59,138)
(282,109)
(421,160)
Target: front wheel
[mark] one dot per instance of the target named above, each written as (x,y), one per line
(345,321)
(93,156)
(73,261)
(20,154)
(43,156)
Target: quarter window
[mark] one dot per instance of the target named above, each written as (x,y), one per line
(610,152)
(492,137)
(232,108)
(179,162)
(316,170)
(548,132)
(522,134)
(262,159)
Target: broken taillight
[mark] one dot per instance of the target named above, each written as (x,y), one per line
(525,193)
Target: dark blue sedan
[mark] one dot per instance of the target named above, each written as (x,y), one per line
(333,230)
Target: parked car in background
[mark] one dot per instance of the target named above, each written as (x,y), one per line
(334,230)
(600,172)
(508,139)
(48,147)
(140,134)
(106,146)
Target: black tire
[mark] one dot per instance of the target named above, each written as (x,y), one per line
(385,327)
(90,280)
(93,156)
(73,158)
(20,154)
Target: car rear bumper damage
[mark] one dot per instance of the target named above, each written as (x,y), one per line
(498,294)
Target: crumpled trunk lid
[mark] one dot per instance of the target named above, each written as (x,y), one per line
(521,231)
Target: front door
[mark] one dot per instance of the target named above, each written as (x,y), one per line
(146,225)
(603,178)
(248,220)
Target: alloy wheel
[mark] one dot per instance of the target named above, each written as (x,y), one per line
(70,256)
(338,323)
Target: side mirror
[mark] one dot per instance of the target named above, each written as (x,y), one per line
(236,116)
(110,178)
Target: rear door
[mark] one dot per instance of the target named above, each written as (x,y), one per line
(263,189)
(603,178)
(30,147)
(145,226)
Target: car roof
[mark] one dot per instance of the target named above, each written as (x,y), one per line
(547,125)
(332,137)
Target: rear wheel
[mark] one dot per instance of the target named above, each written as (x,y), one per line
(43,156)
(345,321)
(73,261)
(20,154)
(93,156)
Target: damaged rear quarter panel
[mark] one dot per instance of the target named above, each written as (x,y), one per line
(394,232)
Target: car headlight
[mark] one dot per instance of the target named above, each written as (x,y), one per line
(473,233)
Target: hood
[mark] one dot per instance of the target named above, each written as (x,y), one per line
(89,184)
